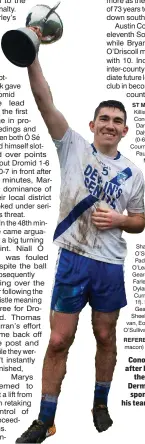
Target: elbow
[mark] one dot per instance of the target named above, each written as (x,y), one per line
(141,224)
(141,227)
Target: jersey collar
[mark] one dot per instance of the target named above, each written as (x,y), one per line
(113,158)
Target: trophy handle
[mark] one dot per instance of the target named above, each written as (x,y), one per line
(51,11)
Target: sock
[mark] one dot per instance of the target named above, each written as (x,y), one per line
(48,408)
(101,392)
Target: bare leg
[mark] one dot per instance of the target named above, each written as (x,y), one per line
(63,328)
(104,328)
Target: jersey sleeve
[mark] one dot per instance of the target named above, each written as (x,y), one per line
(136,199)
(63,146)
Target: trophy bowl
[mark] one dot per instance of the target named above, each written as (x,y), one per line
(20,46)
(48,21)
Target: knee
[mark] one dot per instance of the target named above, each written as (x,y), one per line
(59,343)
(105,336)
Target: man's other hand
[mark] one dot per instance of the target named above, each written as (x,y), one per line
(105,219)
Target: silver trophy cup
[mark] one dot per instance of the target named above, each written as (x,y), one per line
(20,46)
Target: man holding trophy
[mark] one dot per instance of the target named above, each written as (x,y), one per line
(97,185)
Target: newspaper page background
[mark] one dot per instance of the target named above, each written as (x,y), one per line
(100,56)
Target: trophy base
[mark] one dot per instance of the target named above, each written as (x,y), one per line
(20,46)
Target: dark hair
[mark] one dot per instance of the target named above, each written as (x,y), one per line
(111,104)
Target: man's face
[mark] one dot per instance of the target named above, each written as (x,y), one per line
(109,127)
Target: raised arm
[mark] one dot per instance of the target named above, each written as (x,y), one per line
(54,120)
